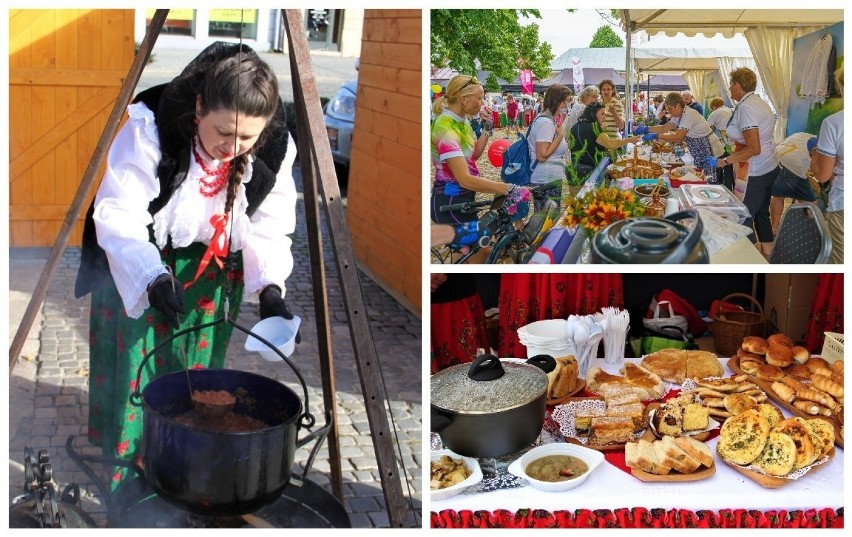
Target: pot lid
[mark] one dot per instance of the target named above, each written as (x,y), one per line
(453,390)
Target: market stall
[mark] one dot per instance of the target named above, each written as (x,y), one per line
(611,496)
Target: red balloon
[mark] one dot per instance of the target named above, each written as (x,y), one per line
(496,150)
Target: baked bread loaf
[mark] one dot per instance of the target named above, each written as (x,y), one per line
(800,433)
(552,378)
(695,449)
(778,456)
(769,373)
(677,458)
(800,354)
(754,345)
(742,437)
(642,455)
(611,430)
(561,381)
(779,355)
(782,339)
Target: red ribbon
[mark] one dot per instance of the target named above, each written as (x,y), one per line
(218,248)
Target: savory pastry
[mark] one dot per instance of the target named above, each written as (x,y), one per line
(702,364)
(769,373)
(771,413)
(800,354)
(754,345)
(778,456)
(799,432)
(737,403)
(785,392)
(750,363)
(645,384)
(837,367)
(820,428)
(779,355)
(815,363)
(781,339)
(675,365)
(742,437)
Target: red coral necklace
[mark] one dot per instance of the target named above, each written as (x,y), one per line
(214,180)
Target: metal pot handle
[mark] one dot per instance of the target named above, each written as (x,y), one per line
(306,420)
(439,421)
(683,250)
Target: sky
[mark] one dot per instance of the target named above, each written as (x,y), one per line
(564,30)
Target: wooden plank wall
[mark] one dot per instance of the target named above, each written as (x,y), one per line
(385,179)
(65,71)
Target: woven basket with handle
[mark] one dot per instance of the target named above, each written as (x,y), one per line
(730,327)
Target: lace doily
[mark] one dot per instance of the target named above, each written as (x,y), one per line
(564,416)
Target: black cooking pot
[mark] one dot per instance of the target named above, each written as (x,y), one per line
(220,473)
(651,240)
(491,407)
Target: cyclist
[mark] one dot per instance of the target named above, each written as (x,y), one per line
(455,149)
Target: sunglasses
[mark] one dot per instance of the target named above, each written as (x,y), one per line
(472,82)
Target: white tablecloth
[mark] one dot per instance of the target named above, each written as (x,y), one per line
(611,488)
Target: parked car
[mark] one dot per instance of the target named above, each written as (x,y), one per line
(339,121)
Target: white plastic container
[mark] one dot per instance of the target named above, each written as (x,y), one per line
(278,331)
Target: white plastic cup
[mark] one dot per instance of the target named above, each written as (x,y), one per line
(278,331)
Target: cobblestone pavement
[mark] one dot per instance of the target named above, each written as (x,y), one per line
(49,386)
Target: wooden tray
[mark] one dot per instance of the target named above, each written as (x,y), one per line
(604,448)
(673,477)
(650,435)
(771,481)
(577,388)
(734,365)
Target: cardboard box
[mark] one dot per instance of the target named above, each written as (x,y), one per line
(787,306)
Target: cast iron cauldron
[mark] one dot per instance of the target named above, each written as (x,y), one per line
(220,473)
(651,240)
(490,407)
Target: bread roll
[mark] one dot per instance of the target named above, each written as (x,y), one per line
(820,427)
(799,370)
(779,355)
(815,362)
(771,413)
(779,455)
(742,437)
(737,403)
(782,339)
(750,362)
(801,354)
(769,373)
(755,345)
(837,367)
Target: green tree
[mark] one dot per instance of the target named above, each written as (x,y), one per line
(492,40)
(606,37)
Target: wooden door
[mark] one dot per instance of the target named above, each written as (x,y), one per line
(66,68)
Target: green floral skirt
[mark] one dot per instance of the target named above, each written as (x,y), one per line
(119,344)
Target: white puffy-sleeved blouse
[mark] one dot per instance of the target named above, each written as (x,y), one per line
(121,216)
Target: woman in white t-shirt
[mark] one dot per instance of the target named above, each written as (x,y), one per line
(685,125)
(827,164)
(752,129)
(547,145)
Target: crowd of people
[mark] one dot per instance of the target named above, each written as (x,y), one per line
(568,137)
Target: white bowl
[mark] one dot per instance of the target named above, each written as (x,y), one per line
(547,329)
(474,477)
(591,457)
(277,330)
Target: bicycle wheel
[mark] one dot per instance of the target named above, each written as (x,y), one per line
(438,255)
(501,251)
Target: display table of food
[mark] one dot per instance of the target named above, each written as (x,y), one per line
(610,496)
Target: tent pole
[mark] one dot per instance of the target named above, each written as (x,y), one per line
(628,89)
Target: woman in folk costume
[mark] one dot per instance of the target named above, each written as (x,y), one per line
(191,211)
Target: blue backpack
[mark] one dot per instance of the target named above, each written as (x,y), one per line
(518,166)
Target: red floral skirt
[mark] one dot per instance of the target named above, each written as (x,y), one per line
(458,330)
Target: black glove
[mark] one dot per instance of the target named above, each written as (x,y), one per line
(166,295)
(272,303)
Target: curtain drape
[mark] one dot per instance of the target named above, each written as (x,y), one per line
(826,311)
(525,298)
(695,81)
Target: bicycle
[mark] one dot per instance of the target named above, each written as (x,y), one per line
(511,242)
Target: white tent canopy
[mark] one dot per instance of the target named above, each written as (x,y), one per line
(770,34)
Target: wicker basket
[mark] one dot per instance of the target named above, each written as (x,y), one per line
(832,347)
(730,327)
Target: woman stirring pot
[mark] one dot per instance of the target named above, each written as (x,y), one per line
(173,233)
